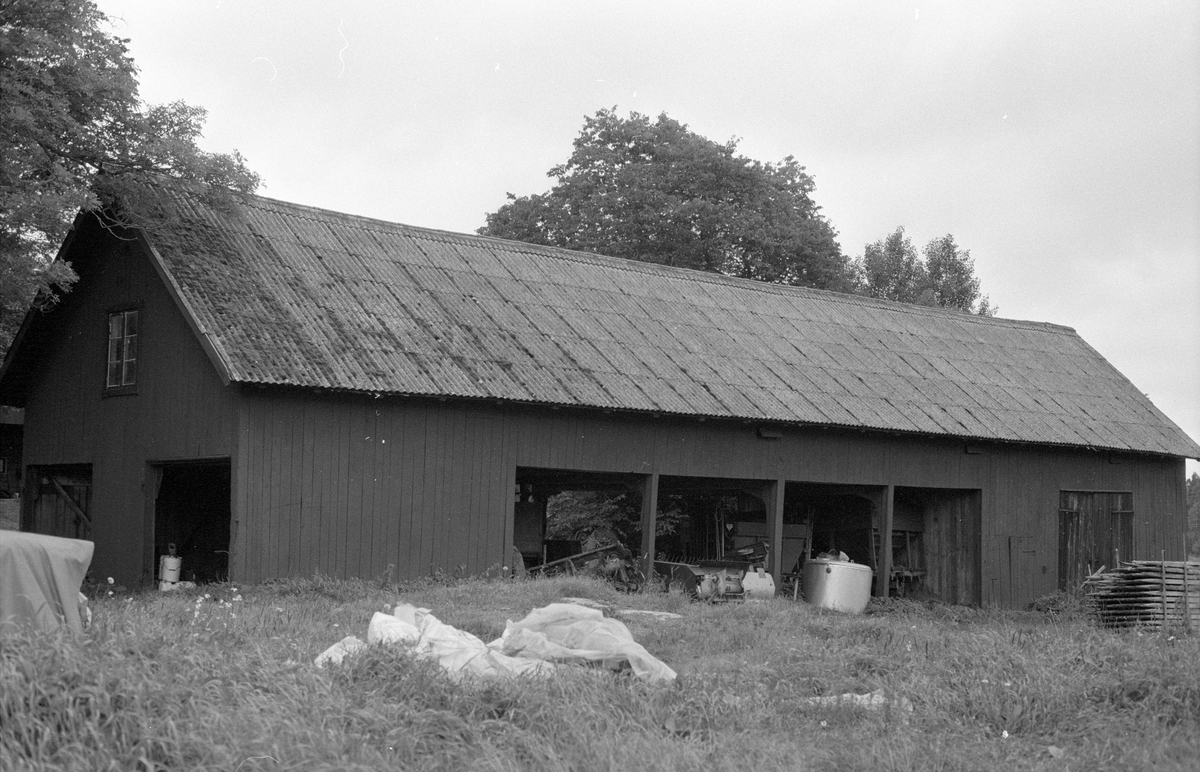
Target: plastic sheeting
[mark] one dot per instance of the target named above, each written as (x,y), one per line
(40,577)
(567,632)
(458,652)
(557,634)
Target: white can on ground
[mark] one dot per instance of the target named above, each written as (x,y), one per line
(169,567)
(837,584)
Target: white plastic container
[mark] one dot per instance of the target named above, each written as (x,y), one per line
(169,567)
(836,584)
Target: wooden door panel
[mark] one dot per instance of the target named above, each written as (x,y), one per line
(1095,530)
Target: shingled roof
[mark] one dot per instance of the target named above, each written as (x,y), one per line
(294,295)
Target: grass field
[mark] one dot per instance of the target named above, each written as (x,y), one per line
(221,678)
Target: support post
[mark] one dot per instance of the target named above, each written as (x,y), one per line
(884,568)
(773,498)
(29,497)
(649,521)
(150,488)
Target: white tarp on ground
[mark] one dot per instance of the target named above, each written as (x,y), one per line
(40,578)
(559,633)
(567,632)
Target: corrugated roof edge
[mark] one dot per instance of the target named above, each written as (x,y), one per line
(620,263)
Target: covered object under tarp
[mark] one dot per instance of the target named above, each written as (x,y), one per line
(40,577)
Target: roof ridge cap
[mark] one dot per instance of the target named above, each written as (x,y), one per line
(363,222)
(711,277)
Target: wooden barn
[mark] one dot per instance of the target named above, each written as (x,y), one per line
(280,390)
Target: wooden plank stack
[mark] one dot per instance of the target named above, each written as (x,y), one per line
(1147,593)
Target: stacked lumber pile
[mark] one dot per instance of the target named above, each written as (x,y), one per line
(1147,593)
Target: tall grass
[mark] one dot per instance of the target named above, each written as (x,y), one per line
(221,678)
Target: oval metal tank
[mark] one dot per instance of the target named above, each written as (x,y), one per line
(836,584)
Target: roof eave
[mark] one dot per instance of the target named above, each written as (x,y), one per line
(215,355)
(649,413)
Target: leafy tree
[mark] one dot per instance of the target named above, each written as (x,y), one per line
(891,270)
(945,276)
(579,514)
(75,136)
(952,279)
(658,192)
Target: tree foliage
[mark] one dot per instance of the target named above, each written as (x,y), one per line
(891,269)
(658,192)
(580,514)
(944,276)
(74,136)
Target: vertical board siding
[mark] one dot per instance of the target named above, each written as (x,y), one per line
(383,548)
(435,439)
(410,497)
(293,481)
(449,481)
(278,533)
(329,467)
(181,409)
(431,497)
(339,505)
(309,520)
(438,494)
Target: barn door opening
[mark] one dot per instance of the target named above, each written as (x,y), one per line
(61,501)
(1095,530)
(558,513)
(936,544)
(191,511)
(840,517)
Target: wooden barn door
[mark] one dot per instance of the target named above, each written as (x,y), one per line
(953,524)
(1095,530)
(61,502)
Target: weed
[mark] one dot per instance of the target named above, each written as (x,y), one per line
(221,678)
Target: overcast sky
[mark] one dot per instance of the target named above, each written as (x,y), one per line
(1059,142)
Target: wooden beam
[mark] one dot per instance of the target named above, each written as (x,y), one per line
(79,513)
(649,521)
(773,498)
(884,569)
(150,488)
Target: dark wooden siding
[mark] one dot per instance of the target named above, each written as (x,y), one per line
(354,486)
(422,485)
(180,411)
(11,439)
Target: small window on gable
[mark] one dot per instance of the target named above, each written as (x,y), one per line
(122,350)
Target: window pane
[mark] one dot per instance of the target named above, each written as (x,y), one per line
(122,348)
(131,341)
